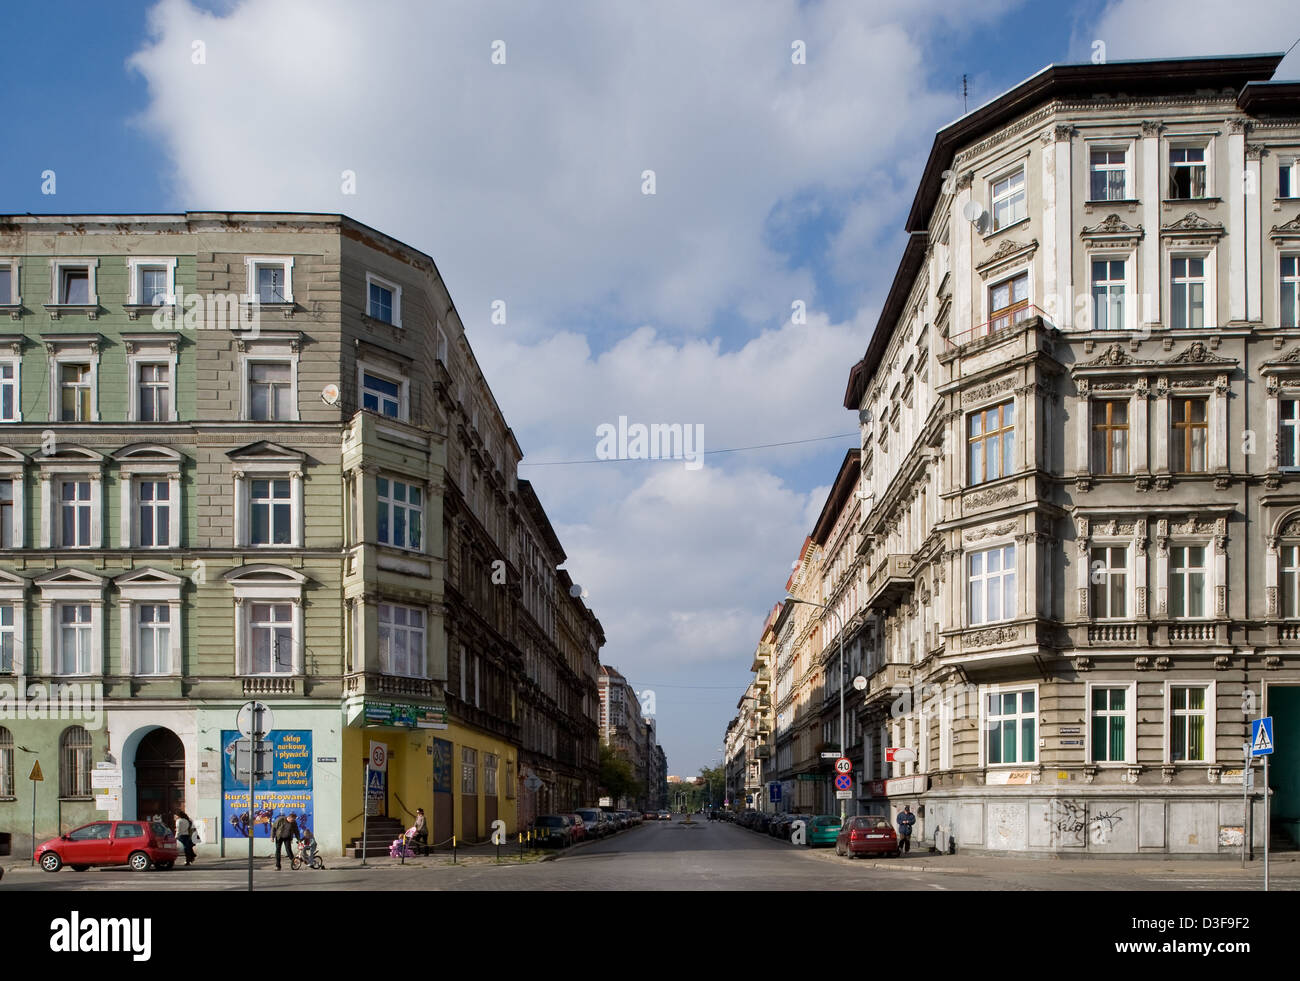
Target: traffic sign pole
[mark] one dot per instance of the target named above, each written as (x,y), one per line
(1261,744)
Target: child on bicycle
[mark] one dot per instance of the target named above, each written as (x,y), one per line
(307,847)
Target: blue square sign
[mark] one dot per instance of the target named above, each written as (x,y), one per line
(1261,736)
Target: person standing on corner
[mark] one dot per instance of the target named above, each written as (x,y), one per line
(905,822)
(285,832)
(185,835)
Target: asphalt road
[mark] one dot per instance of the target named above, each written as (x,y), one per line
(662,856)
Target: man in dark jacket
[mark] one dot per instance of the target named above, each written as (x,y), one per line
(285,832)
(905,822)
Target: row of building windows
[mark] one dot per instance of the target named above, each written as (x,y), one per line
(269,390)
(76,749)
(152,282)
(1111,178)
(268,509)
(269,639)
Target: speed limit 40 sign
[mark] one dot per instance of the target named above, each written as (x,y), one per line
(844,765)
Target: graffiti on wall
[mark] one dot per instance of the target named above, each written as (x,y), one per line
(1071,824)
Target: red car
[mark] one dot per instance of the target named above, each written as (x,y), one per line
(579,827)
(867,836)
(143,845)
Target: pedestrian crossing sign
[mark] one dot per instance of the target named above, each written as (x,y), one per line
(1261,737)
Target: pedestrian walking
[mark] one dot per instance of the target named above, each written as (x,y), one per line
(419,832)
(285,832)
(185,835)
(905,822)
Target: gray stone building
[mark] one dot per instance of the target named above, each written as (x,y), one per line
(1080,421)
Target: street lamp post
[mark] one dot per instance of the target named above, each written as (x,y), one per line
(840,632)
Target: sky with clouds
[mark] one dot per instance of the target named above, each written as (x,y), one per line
(775,184)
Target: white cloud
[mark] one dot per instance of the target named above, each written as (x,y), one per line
(523,181)
(1176,28)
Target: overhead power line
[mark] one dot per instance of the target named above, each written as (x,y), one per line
(730,449)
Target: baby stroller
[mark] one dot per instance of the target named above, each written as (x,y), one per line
(306,855)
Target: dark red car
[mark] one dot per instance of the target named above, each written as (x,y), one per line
(867,835)
(143,845)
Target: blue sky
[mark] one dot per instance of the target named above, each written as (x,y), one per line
(775,183)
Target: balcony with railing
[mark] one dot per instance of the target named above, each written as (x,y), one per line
(374,683)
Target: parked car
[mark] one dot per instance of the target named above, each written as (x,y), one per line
(579,827)
(143,845)
(823,830)
(866,835)
(780,824)
(597,826)
(761,822)
(649,816)
(553,829)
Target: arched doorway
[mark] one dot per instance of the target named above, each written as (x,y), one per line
(159,774)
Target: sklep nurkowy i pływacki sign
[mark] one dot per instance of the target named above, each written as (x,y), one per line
(286,791)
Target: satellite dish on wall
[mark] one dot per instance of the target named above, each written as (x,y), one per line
(330,395)
(577,591)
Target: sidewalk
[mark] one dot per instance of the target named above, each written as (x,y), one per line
(468,858)
(1283,864)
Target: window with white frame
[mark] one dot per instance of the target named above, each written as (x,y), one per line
(153,392)
(1011,727)
(74,377)
(1288,177)
(150,482)
(990,443)
(1009,302)
(1186,292)
(268,619)
(6,763)
(270,279)
(1188,723)
(9,514)
(1189,435)
(10,392)
(1109,581)
(1289,293)
(1188,582)
(71,499)
(1110,436)
(401,640)
(270,511)
(8,282)
(75,628)
(270,638)
(400,513)
(991,585)
(152,281)
(153,513)
(73,282)
(1108,170)
(379,394)
(271,391)
(76,391)
(1007,199)
(1109,721)
(383,300)
(76,506)
(150,608)
(1289,433)
(1188,173)
(8,638)
(1289,558)
(153,628)
(1109,284)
